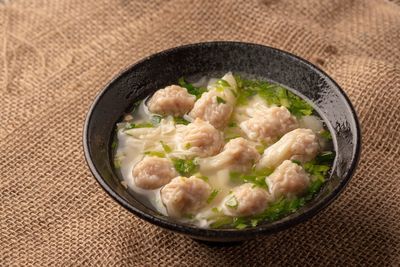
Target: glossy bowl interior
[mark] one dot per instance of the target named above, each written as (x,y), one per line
(165,68)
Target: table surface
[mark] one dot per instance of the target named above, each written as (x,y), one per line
(56,55)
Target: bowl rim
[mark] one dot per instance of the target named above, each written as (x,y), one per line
(208,233)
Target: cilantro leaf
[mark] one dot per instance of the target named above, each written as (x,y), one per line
(193,90)
(185,167)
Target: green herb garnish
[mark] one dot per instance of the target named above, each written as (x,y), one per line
(273,94)
(260,148)
(180,120)
(188,145)
(155,120)
(316,170)
(155,154)
(197,91)
(232,202)
(114,144)
(231,133)
(129,126)
(223,83)
(166,147)
(185,167)
(220,100)
(221,221)
(296,161)
(201,176)
(326,134)
(325,157)
(256,177)
(117,163)
(241,226)
(215,210)
(212,196)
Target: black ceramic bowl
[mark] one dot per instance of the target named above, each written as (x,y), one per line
(165,68)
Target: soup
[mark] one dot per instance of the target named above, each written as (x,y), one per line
(223,153)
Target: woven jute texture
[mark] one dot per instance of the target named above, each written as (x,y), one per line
(55,56)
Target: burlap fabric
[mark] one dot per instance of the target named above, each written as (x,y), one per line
(56,55)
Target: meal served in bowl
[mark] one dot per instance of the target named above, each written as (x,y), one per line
(223,152)
(251,140)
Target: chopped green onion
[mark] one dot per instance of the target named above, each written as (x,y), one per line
(180,120)
(256,177)
(215,210)
(260,148)
(185,167)
(129,126)
(241,226)
(212,196)
(223,83)
(155,154)
(232,202)
(254,222)
(314,188)
(155,120)
(166,147)
(188,145)
(221,221)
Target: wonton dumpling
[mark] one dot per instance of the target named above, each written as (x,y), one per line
(238,154)
(289,179)
(153,172)
(201,138)
(267,126)
(184,196)
(299,144)
(245,200)
(172,100)
(216,106)
(208,108)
